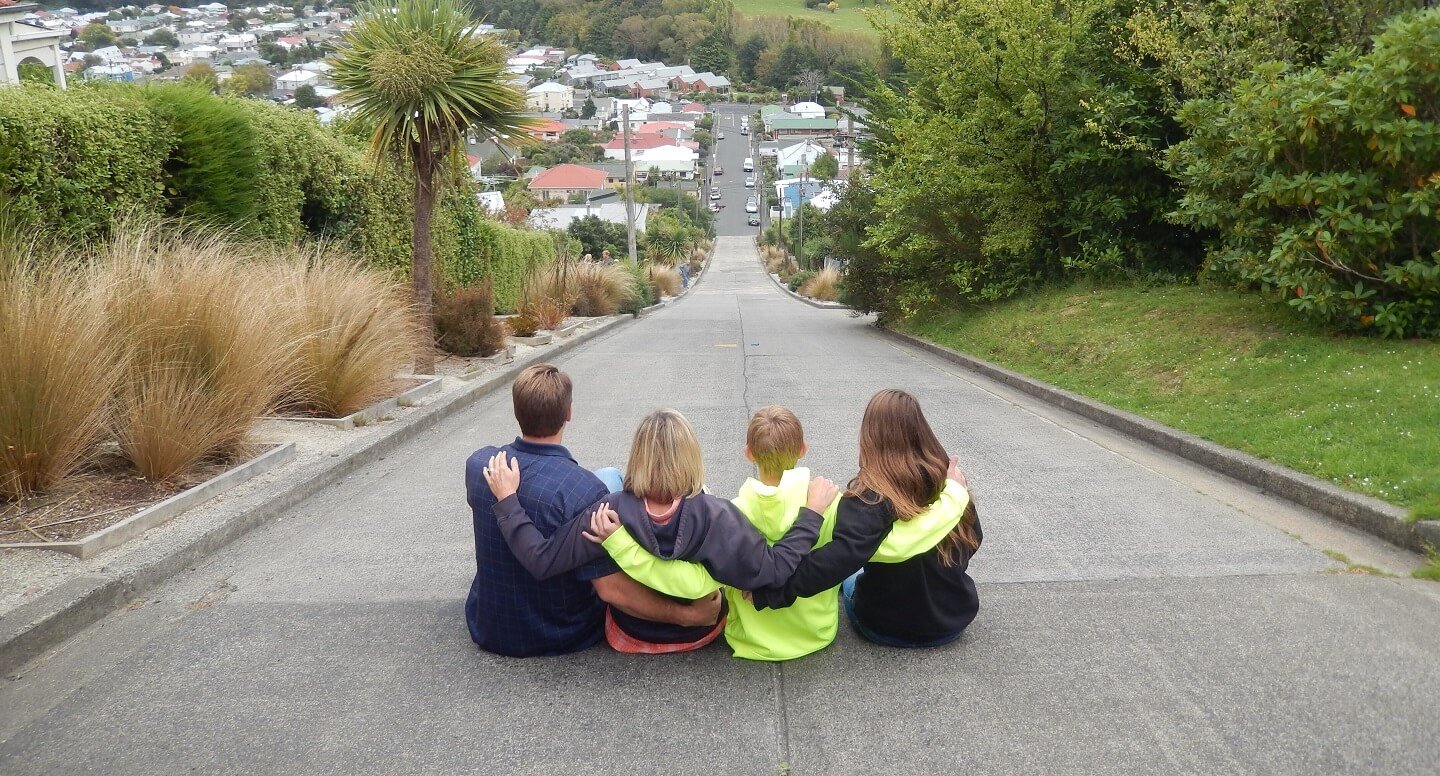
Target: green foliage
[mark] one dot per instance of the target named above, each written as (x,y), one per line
(1322,185)
(305,97)
(825,167)
(644,295)
(32,72)
(798,279)
(162,37)
(97,35)
(252,80)
(74,161)
(201,74)
(597,235)
(212,172)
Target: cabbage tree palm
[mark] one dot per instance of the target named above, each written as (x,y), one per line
(421,73)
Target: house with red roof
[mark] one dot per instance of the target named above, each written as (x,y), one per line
(548,130)
(693,107)
(565,179)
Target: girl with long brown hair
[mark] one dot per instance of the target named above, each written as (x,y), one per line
(902,558)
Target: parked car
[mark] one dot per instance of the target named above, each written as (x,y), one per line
(744,130)
(719,171)
(720,136)
(714,193)
(715,207)
(750,182)
(751,206)
(753,220)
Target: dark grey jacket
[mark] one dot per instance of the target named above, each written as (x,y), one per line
(711,531)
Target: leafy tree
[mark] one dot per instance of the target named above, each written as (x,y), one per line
(162,37)
(422,75)
(791,60)
(587,109)
(201,74)
(597,235)
(275,53)
(237,23)
(1321,183)
(97,35)
(251,80)
(748,55)
(305,97)
(825,167)
(712,55)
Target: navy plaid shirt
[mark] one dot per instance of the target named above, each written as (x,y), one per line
(510,612)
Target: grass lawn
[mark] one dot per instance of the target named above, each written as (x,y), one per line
(1233,368)
(849,17)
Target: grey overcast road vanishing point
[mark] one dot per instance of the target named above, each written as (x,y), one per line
(1139,614)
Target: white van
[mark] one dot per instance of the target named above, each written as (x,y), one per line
(749,164)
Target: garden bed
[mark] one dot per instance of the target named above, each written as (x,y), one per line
(410,389)
(108,503)
(470,367)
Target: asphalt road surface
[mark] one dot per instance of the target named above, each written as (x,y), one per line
(1139,615)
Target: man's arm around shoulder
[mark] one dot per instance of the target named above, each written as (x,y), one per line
(637,600)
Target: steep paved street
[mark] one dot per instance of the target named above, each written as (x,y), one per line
(1138,614)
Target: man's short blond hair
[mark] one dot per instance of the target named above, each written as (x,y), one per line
(665,459)
(775,439)
(542,400)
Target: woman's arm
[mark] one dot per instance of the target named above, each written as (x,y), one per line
(564,551)
(859,530)
(544,557)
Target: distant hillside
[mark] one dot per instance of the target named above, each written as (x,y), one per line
(849,16)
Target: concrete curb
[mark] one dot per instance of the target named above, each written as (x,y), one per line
(1365,513)
(31,629)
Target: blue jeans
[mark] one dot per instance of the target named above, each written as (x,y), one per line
(613,479)
(847,594)
(684,274)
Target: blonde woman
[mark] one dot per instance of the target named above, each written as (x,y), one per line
(665,510)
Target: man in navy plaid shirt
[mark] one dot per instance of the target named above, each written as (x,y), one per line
(511,613)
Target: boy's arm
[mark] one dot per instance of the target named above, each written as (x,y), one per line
(679,578)
(544,557)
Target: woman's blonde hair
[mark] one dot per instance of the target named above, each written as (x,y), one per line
(902,461)
(665,460)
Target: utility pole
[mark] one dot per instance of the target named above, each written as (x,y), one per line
(800,244)
(629,188)
(850,147)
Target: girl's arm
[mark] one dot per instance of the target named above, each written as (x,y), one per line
(738,555)
(859,530)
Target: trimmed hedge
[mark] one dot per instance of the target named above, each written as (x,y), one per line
(78,161)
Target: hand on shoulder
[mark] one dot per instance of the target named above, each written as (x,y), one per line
(822,492)
(502,474)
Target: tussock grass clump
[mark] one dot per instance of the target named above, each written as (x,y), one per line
(665,280)
(353,330)
(601,290)
(824,285)
(57,370)
(207,350)
(465,321)
(550,294)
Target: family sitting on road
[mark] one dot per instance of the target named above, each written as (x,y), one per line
(653,563)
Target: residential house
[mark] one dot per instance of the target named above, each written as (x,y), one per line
(789,193)
(615,147)
(791,160)
(289,82)
(566,179)
(807,110)
(649,87)
(492,202)
(550,97)
(613,212)
(614,171)
(548,130)
(787,124)
(701,82)
(669,159)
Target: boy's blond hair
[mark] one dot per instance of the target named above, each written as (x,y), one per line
(665,459)
(775,440)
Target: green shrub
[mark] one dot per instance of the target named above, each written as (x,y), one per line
(643,295)
(1322,183)
(799,278)
(213,171)
(74,161)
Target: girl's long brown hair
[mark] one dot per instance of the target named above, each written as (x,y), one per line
(902,461)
